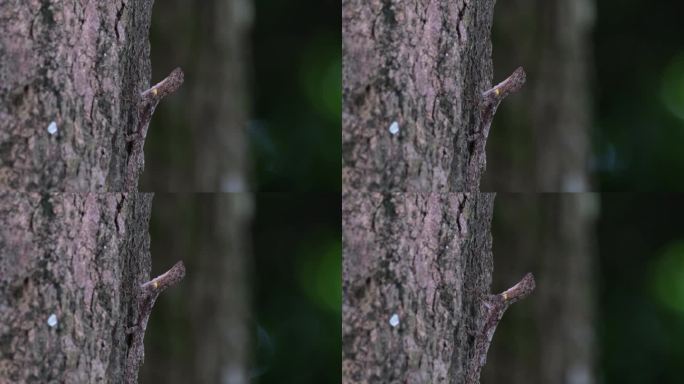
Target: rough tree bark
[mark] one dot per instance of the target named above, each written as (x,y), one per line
(71,74)
(200,145)
(540,142)
(413,78)
(74,109)
(70,268)
(414,266)
(554,341)
(209,316)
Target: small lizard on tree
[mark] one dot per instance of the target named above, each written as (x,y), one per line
(146,106)
(146,296)
(489,103)
(495,306)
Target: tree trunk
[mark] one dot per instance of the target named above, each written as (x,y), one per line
(70,266)
(71,74)
(197,141)
(413,77)
(413,265)
(540,142)
(208,318)
(554,341)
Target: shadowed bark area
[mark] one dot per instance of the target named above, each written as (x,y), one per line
(553,341)
(413,75)
(540,141)
(70,77)
(200,334)
(197,141)
(413,265)
(70,265)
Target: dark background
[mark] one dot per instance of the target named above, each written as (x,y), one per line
(286,73)
(290,257)
(638,129)
(295,130)
(641,288)
(627,307)
(297,288)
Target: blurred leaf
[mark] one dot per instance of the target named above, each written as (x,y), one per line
(320,274)
(668,277)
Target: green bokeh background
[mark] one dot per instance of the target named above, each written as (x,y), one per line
(295,132)
(639,95)
(641,288)
(297,288)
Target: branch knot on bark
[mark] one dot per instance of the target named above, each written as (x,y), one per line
(489,103)
(148,102)
(495,306)
(146,297)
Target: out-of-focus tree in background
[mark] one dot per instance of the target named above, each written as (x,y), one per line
(261,303)
(197,141)
(550,336)
(202,333)
(259,111)
(540,142)
(606,97)
(540,137)
(260,106)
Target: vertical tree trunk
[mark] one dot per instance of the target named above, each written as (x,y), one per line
(70,266)
(71,73)
(199,144)
(413,264)
(554,342)
(540,142)
(209,317)
(413,77)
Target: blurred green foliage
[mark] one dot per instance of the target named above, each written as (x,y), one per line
(297,291)
(297,60)
(641,288)
(668,277)
(639,84)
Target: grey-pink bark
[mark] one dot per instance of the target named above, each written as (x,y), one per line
(81,65)
(423,65)
(81,258)
(425,258)
(72,255)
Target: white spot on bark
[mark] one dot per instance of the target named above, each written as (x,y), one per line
(52,320)
(394,128)
(52,128)
(394,320)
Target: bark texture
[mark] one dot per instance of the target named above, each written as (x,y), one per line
(197,141)
(201,333)
(81,65)
(551,338)
(413,267)
(540,141)
(70,265)
(421,65)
